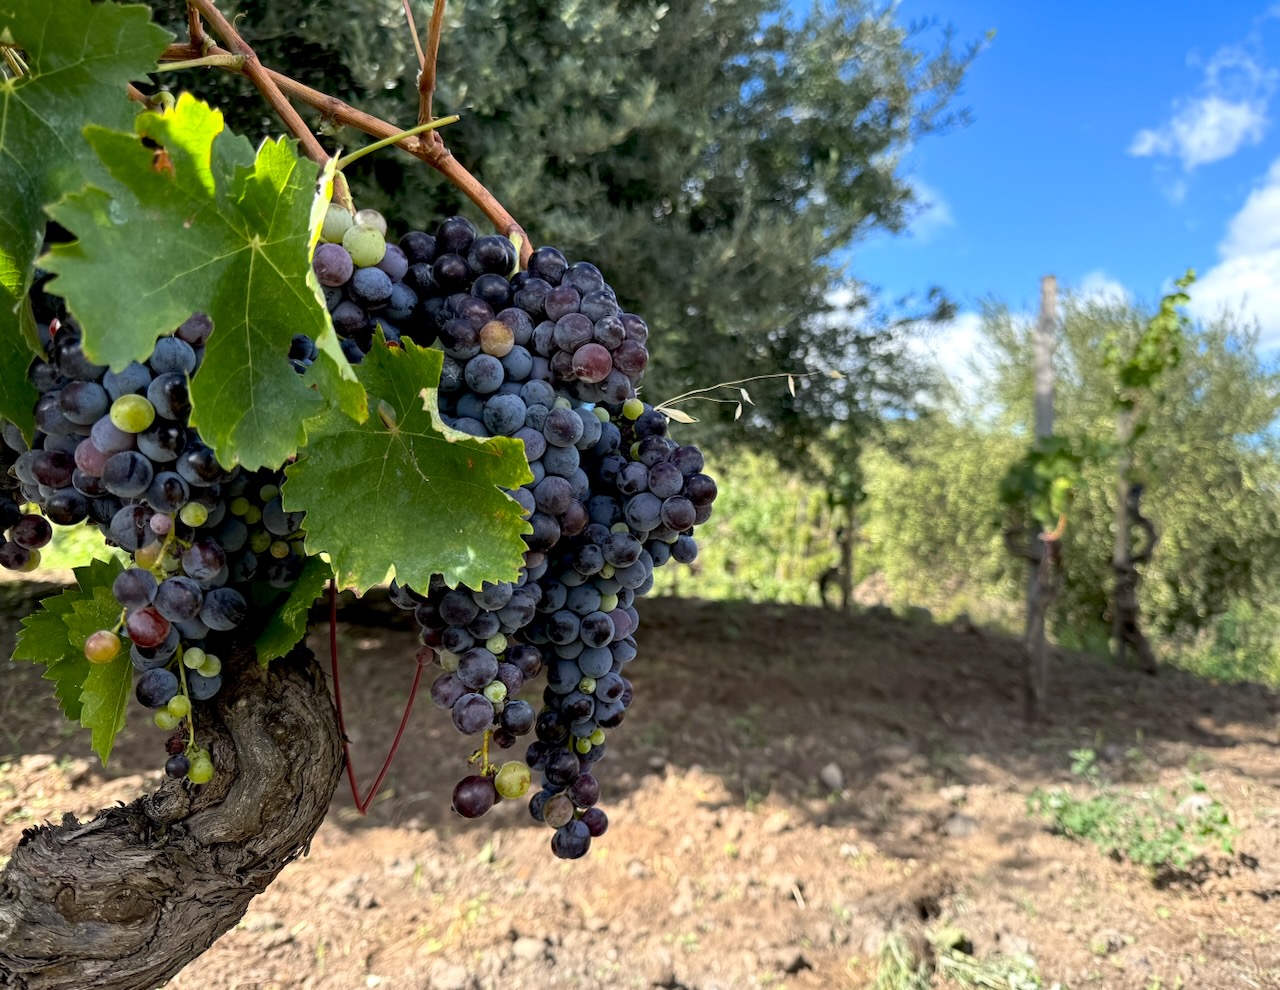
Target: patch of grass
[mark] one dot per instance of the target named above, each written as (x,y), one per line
(953,963)
(1154,829)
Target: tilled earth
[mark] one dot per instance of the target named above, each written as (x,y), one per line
(792,788)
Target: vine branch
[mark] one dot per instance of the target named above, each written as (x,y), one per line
(427,79)
(413,31)
(254,69)
(436,155)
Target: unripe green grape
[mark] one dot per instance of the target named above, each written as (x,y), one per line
(495,691)
(193,514)
(496,643)
(193,658)
(374,219)
(619,527)
(601,413)
(166,720)
(448,661)
(512,780)
(280,549)
(337,221)
(365,244)
(259,540)
(132,413)
(587,685)
(608,603)
(211,667)
(267,492)
(252,515)
(102,646)
(179,706)
(632,408)
(33,561)
(583,746)
(201,771)
(607,571)
(597,737)
(562,403)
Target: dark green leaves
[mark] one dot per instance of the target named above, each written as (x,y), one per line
(79,57)
(94,694)
(204,226)
(402,491)
(286,628)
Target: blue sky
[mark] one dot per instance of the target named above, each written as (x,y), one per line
(1113,145)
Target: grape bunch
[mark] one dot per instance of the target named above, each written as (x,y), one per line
(548,357)
(115,449)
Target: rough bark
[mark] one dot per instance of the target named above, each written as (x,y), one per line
(1036,641)
(124,901)
(1127,615)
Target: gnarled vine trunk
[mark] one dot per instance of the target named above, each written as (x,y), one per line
(124,901)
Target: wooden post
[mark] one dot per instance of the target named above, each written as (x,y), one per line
(1041,573)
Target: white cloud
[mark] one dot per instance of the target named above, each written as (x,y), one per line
(1228,114)
(1098,285)
(957,350)
(933,213)
(1246,279)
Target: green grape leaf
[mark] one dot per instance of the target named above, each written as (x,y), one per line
(201,224)
(402,492)
(104,701)
(285,629)
(79,56)
(55,634)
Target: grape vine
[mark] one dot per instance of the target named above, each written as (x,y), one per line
(217,360)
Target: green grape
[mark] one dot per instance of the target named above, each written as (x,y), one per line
(607,571)
(562,403)
(193,658)
(32,563)
(193,514)
(179,706)
(587,685)
(132,413)
(280,549)
(448,661)
(201,771)
(597,737)
(608,603)
(337,221)
(267,492)
(238,505)
(211,667)
(512,780)
(166,720)
(496,643)
(632,408)
(601,413)
(365,244)
(583,746)
(374,219)
(252,516)
(259,540)
(495,691)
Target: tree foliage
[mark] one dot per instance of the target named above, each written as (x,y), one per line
(716,156)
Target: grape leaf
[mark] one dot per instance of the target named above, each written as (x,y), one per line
(204,226)
(79,56)
(404,492)
(285,629)
(47,635)
(104,701)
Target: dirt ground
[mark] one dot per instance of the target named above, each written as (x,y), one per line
(792,788)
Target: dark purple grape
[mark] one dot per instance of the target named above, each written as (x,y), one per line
(446,689)
(472,713)
(455,235)
(473,796)
(571,840)
(177,766)
(223,609)
(134,587)
(596,821)
(156,688)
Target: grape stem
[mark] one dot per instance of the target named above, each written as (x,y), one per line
(260,78)
(434,154)
(195,28)
(413,33)
(427,78)
(191,715)
(235,61)
(362,804)
(431,125)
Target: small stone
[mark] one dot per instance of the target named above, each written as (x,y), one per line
(529,949)
(832,777)
(776,823)
(260,921)
(960,826)
(849,851)
(451,978)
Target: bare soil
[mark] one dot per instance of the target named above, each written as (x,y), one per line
(791,787)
